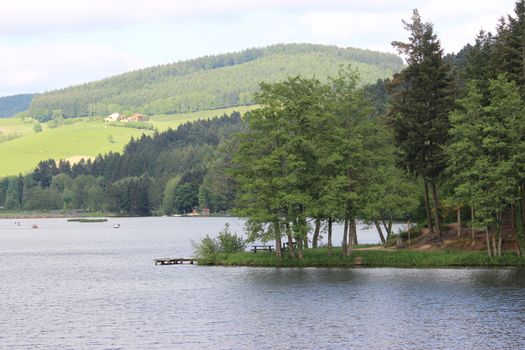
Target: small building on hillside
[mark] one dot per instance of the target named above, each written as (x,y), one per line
(136,118)
(114,117)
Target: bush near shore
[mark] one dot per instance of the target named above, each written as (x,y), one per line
(369,258)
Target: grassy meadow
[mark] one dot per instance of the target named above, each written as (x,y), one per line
(78,138)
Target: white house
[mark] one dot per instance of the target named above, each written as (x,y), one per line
(115,117)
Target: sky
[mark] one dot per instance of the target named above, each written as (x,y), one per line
(51,44)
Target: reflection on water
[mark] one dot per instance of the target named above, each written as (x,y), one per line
(71,285)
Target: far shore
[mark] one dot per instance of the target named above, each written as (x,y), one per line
(50,214)
(81,214)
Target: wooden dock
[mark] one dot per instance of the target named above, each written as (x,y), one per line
(174,261)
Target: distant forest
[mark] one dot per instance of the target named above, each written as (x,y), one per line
(10,105)
(175,171)
(209,82)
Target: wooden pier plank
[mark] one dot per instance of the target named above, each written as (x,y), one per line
(174,261)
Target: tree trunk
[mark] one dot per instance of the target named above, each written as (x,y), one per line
(385,226)
(380,232)
(472,223)
(458,212)
(436,209)
(409,231)
(344,243)
(352,229)
(500,241)
(494,248)
(290,244)
(498,233)
(352,235)
(521,230)
(488,241)
(278,241)
(517,245)
(389,229)
(300,254)
(317,229)
(330,236)
(278,244)
(305,241)
(427,208)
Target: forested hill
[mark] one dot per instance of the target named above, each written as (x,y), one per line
(210,82)
(10,105)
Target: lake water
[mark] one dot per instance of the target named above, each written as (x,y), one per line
(90,286)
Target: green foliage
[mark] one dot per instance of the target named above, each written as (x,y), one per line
(486,149)
(312,149)
(229,242)
(14,192)
(37,128)
(421,97)
(226,242)
(206,249)
(53,123)
(275,155)
(209,82)
(185,197)
(168,207)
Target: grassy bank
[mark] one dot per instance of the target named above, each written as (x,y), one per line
(370,258)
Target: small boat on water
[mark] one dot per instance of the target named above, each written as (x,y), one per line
(116,226)
(34,226)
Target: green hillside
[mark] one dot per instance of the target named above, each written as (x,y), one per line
(209,82)
(85,137)
(10,105)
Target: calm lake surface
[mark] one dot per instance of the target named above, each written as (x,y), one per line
(90,286)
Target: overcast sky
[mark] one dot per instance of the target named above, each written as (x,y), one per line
(51,44)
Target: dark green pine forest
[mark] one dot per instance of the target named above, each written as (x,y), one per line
(442,140)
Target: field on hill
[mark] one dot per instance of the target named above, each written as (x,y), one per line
(85,137)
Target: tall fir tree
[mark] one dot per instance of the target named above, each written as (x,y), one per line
(422,96)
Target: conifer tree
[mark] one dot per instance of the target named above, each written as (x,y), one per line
(422,96)
(509,48)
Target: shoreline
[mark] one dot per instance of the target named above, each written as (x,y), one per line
(369,258)
(8,215)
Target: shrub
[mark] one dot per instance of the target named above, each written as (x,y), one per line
(206,248)
(37,128)
(226,242)
(230,242)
